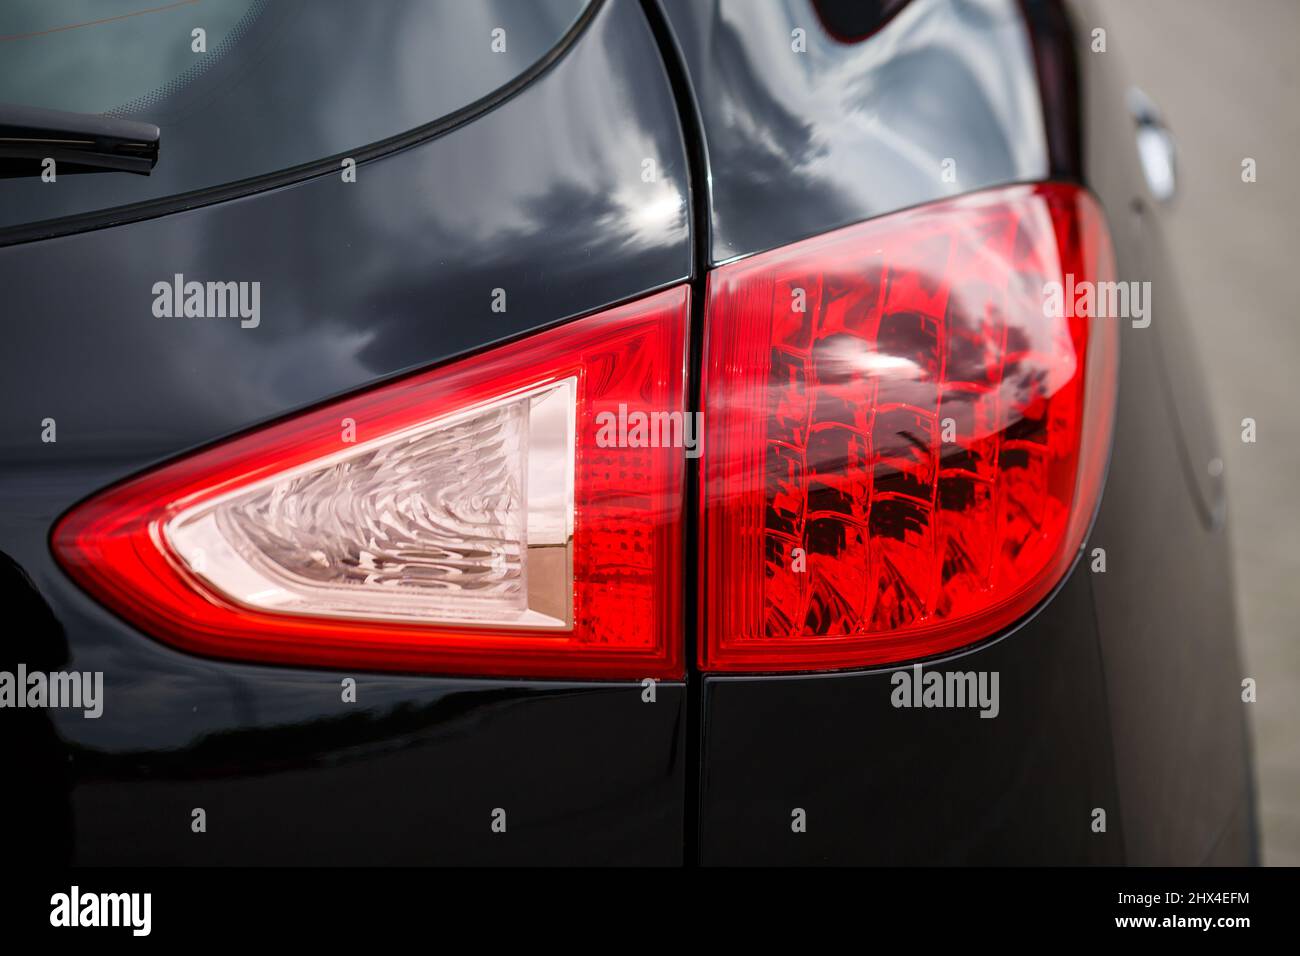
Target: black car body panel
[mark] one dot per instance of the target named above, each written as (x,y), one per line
(1120,692)
(884,785)
(361,281)
(797,144)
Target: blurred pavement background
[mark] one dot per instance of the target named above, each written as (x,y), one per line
(1226,79)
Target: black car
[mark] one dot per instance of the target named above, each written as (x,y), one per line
(595,431)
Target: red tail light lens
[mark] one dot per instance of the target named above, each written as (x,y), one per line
(465,520)
(904,444)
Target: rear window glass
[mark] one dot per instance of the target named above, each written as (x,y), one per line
(242,88)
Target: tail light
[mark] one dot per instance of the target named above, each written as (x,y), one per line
(904,443)
(464,520)
(904,447)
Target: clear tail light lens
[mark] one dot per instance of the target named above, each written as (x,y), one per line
(464,520)
(468,517)
(904,442)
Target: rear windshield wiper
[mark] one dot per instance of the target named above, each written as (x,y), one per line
(87,140)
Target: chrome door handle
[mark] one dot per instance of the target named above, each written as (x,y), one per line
(1155,146)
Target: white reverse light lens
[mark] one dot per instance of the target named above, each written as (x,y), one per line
(466,519)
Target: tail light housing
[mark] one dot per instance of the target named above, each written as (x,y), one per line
(905,442)
(464,520)
(904,445)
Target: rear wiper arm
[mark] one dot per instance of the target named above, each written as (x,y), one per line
(86,139)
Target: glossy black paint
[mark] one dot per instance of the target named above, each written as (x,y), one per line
(1122,691)
(798,143)
(1166,609)
(890,786)
(1051,35)
(541,196)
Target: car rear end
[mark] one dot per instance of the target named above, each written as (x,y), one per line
(643,433)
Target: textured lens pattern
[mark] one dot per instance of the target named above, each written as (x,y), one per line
(895,426)
(439,512)
(619,555)
(898,525)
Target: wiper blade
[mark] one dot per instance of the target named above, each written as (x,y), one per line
(88,140)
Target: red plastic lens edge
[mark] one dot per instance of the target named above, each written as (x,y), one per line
(824,431)
(627,546)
